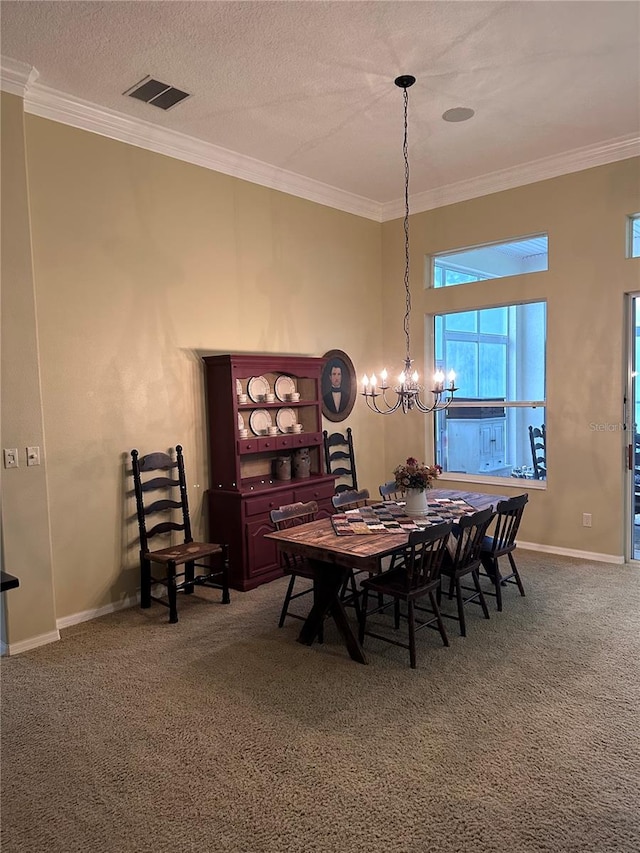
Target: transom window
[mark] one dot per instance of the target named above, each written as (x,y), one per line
(515,257)
(634,236)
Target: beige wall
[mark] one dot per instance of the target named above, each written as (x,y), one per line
(142,264)
(585,216)
(26,548)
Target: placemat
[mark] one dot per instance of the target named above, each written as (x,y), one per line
(390,517)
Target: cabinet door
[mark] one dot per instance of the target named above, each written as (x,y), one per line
(262,554)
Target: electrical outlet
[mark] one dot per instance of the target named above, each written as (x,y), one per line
(11,457)
(586,519)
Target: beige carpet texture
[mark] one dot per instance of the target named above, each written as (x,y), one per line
(222,734)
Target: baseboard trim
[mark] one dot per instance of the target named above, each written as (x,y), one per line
(87,615)
(32,643)
(618,559)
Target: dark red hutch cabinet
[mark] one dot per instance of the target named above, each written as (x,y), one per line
(243,488)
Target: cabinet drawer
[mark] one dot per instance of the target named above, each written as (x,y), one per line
(247,445)
(261,506)
(306,439)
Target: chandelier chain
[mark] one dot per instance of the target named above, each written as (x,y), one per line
(405,152)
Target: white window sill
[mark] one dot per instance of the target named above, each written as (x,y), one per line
(513,482)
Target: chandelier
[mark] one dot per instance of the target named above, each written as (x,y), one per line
(408,391)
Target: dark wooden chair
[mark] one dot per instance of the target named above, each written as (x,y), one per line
(462,560)
(161,495)
(390,491)
(350,499)
(503,543)
(342,501)
(538,441)
(290,515)
(340,459)
(414,577)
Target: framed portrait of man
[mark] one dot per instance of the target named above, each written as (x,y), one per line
(338,385)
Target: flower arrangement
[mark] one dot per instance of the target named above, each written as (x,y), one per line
(415,475)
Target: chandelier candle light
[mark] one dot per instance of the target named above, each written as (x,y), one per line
(408,390)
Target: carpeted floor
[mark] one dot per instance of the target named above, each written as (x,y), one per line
(221,733)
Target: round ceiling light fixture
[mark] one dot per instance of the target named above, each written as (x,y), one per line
(458,114)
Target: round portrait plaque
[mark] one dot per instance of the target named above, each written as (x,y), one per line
(338,385)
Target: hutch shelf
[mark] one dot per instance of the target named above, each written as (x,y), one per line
(244,486)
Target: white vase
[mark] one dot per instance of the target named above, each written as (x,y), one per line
(416,502)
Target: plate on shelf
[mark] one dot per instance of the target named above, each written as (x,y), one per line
(260,421)
(284,386)
(285,419)
(239,387)
(258,388)
(240,421)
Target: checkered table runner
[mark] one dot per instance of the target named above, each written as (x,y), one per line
(390,517)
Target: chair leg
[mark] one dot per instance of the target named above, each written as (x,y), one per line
(355,594)
(412,633)
(145,583)
(396,613)
(496,579)
(188,577)
(458,588)
(516,573)
(225,575)
(287,599)
(321,629)
(172,591)
(436,610)
(363,615)
(482,599)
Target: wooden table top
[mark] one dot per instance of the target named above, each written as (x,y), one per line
(318,541)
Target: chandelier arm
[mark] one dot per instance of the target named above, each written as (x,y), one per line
(373,405)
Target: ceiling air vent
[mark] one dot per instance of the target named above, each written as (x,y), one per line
(156,93)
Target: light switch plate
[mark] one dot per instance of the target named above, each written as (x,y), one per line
(11,457)
(33,455)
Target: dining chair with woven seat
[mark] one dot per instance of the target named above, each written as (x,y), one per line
(159,494)
(286,516)
(414,577)
(461,560)
(502,544)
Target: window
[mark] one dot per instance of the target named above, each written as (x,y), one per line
(499,358)
(516,257)
(634,236)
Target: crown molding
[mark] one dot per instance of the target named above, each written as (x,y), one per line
(51,104)
(576,160)
(16,77)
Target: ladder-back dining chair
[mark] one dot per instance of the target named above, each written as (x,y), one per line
(503,544)
(340,459)
(415,576)
(286,516)
(538,441)
(161,501)
(462,559)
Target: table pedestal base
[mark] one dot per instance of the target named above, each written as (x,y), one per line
(329,581)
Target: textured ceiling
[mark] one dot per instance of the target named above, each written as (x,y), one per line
(308,86)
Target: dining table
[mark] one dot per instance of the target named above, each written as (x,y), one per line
(333,557)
